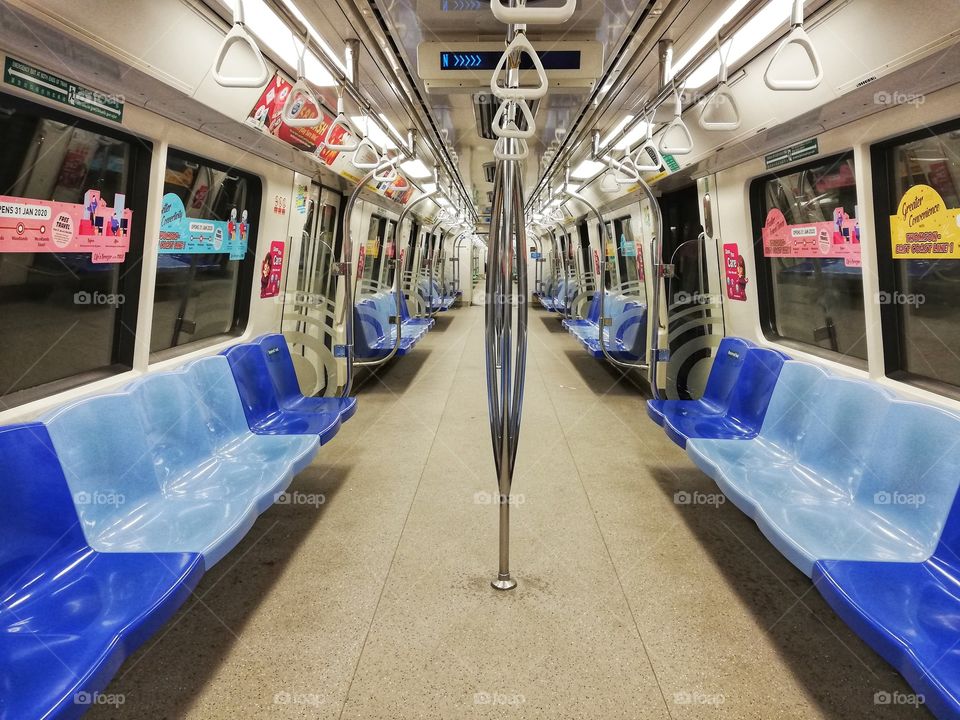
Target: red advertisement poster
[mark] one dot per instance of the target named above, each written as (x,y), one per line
(837,238)
(43,226)
(735,272)
(596,262)
(267,114)
(361,260)
(271,270)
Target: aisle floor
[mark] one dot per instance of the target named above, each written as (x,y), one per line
(367,595)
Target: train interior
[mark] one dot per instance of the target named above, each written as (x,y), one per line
(479,358)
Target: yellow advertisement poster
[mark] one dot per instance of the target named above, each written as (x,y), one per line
(924,228)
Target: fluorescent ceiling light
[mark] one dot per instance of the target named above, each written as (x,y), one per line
(327,50)
(429,187)
(629,140)
(753,32)
(415,169)
(616,130)
(372,130)
(277,36)
(587,169)
(709,36)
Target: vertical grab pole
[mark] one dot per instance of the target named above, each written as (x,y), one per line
(656,254)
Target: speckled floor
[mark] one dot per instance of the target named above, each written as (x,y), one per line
(376,603)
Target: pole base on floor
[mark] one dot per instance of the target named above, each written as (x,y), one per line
(503,583)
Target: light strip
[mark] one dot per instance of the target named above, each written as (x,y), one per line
(709,36)
(327,50)
(276,35)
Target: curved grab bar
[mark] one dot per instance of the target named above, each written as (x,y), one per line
(238,34)
(522,15)
(675,124)
(341,120)
(605,239)
(501,150)
(719,97)
(520,43)
(302,87)
(625,165)
(510,128)
(796,36)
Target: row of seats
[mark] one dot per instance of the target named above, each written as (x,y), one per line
(435,299)
(624,337)
(558,295)
(115,505)
(857,488)
(375,326)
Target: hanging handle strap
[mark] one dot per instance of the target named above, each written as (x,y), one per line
(501,150)
(797,36)
(504,125)
(532,92)
(647,158)
(341,121)
(719,98)
(367,164)
(302,89)
(523,15)
(387,171)
(238,35)
(676,124)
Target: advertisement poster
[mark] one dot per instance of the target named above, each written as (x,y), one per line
(42,226)
(180,234)
(267,114)
(271,270)
(735,272)
(596,262)
(837,238)
(641,272)
(361,260)
(924,228)
(399,190)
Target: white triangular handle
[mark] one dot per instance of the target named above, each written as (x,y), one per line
(522,15)
(520,43)
(500,151)
(797,36)
(301,88)
(238,35)
(643,161)
(676,124)
(718,98)
(511,129)
(341,120)
(625,170)
(370,165)
(389,172)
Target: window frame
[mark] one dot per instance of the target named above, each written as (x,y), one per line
(126,318)
(892,326)
(246,269)
(763,267)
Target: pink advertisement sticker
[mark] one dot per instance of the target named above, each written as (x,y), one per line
(271,271)
(837,238)
(735,272)
(46,226)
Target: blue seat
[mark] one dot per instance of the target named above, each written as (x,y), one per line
(374,336)
(591,320)
(411,327)
(724,372)
(70,615)
(625,338)
(434,299)
(287,387)
(412,321)
(175,460)
(741,413)
(261,404)
(829,452)
(559,298)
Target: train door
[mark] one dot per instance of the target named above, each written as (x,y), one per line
(694,317)
(309,317)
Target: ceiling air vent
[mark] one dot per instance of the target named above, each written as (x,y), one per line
(866,81)
(485,106)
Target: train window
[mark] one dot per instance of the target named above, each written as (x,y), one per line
(77,191)
(919,254)
(203,294)
(373,250)
(584,233)
(807,247)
